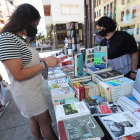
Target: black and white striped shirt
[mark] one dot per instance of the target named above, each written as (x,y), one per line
(13,46)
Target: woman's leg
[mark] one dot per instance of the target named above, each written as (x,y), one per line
(35,128)
(44,121)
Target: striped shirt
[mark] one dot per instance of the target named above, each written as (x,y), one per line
(13,46)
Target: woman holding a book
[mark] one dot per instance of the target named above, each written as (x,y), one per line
(122,48)
(24,69)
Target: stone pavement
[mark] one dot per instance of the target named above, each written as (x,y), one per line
(14,126)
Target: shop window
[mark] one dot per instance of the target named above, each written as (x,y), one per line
(47,10)
(128,1)
(99,12)
(134,13)
(122,15)
(138,29)
(110,10)
(127,14)
(123,2)
(70,9)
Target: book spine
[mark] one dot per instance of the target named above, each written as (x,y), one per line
(62,131)
(81,93)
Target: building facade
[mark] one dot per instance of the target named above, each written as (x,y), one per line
(6,9)
(57,14)
(125,12)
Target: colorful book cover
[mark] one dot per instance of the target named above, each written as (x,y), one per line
(120,81)
(81,128)
(89,58)
(98,98)
(100,57)
(109,74)
(69,101)
(78,68)
(125,138)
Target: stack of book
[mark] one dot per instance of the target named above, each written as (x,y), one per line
(93,71)
(68,111)
(109,75)
(56,75)
(80,128)
(73,36)
(68,69)
(85,89)
(62,93)
(120,87)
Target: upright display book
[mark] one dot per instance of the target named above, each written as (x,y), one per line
(121,124)
(100,57)
(136,89)
(78,65)
(68,111)
(80,128)
(89,57)
(113,74)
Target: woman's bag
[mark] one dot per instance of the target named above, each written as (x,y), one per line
(5,93)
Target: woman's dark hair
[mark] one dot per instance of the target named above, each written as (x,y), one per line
(109,24)
(21,18)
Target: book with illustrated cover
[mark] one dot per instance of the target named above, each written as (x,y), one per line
(113,74)
(103,108)
(69,101)
(98,98)
(78,67)
(136,89)
(89,57)
(125,138)
(80,128)
(121,124)
(105,91)
(67,111)
(57,81)
(100,57)
(53,86)
(67,69)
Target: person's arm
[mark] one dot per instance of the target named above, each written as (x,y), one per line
(19,73)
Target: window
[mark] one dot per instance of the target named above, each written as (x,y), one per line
(134,13)
(123,2)
(138,28)
(110,10)
(122,15)
(70,9)
(127,14)
(99,12)
(128,1)
(105,11)
(47,10)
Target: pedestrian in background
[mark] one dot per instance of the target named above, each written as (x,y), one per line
(24,69)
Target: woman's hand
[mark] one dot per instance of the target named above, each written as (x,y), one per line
(52,61)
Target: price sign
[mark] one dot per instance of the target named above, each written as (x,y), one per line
(118,82)
(97,61)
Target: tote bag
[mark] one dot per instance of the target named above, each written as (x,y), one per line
(5,93)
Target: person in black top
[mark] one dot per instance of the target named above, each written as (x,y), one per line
(122,48)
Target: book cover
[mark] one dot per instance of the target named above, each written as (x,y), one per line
(121,124)
(89,57)
(56,76)
(61,91)
(100,57)
(71,110)
(69,101)
(120,81)
(125,138)
(105,91)
(113,74)
(136,89)
(78,68)
(81,128)
(98,98)
(61,85)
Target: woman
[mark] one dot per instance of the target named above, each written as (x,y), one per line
(122,48)
(24,69)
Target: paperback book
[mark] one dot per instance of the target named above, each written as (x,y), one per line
(100,57)
(121,124)
(89,57)
(80,128)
